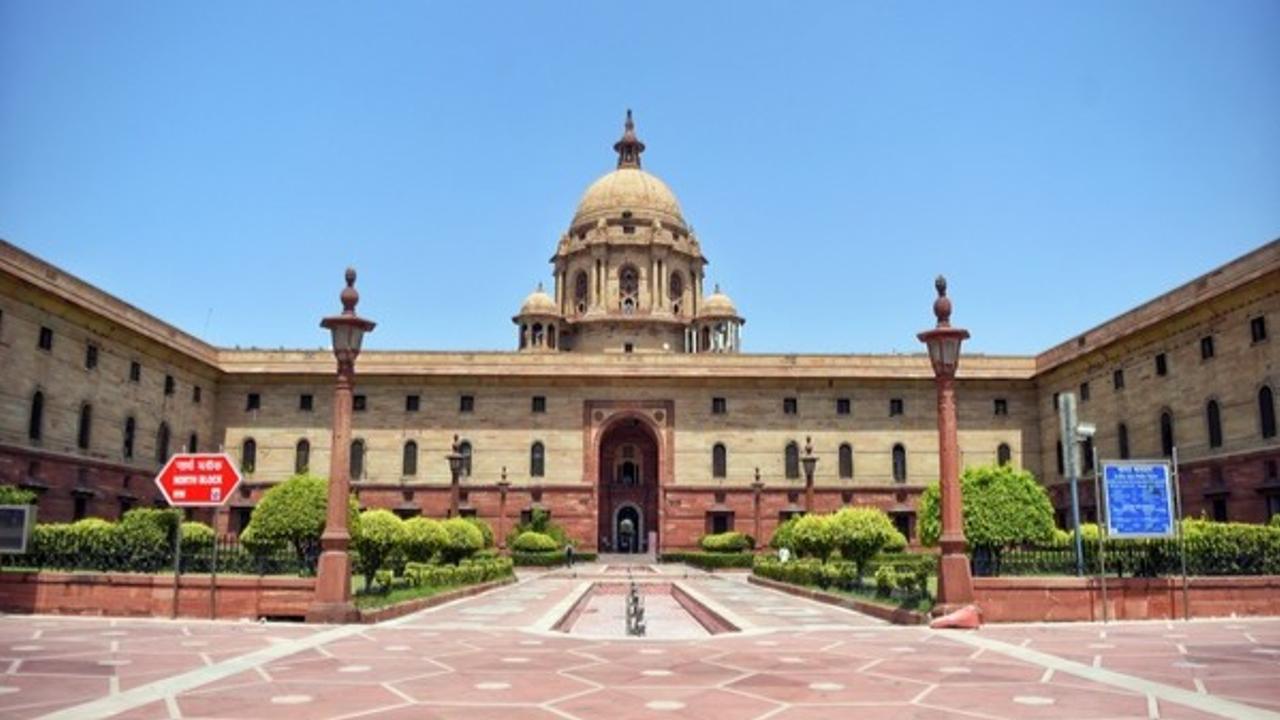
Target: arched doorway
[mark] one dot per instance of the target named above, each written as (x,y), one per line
(628,486)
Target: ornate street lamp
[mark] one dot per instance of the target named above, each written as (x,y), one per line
(455,458)
(955,584)
(503,486)
(332,602)
(808,461)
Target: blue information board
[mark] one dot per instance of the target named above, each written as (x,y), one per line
(1139,499)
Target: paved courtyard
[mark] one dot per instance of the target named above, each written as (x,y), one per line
(496,656)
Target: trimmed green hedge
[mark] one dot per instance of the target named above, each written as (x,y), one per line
(468,572)
(906,572)
(531,541)
(727,542)
(14,495)
(710,560)
(549,559)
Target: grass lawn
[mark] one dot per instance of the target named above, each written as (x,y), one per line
(400,592)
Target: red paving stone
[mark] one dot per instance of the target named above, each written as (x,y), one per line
(493,656)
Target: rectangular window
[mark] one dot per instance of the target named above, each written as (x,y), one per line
(789,406)
(1258,329)
(719,406)
(539,404)
(412,403)
(46,338)
(1162,365)
(896,407)
(844,406)
(306,402)
(1084,392)
(195,394)
(1206,347)
(1117,379)
(91,356)
(359,403)
(467,403)
(628,347)
(1001,406)
(169,384)
(135,371)
(1055,400)
(252,401)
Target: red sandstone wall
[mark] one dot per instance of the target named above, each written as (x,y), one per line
(1022,599)
(123,594)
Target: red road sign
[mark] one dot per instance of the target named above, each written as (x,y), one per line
(198,479)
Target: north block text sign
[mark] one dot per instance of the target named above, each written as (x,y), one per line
(198,479)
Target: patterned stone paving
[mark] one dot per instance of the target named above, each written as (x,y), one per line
(492,656)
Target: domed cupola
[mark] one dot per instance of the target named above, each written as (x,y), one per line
(718,327)
(538,322)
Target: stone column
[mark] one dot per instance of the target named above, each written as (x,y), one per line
(332,603)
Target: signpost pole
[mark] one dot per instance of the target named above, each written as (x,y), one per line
(1099,504)
(213,569)
(1182,547)
(177,561)
(1067,424)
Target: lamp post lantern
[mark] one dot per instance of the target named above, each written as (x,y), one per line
(332,601)
(808,461)
(455,458)
(955,583)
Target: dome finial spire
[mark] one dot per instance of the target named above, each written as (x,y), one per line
(629,147)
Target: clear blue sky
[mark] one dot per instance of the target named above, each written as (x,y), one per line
(219,164)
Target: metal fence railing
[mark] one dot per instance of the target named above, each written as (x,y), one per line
(1129,558)
(230,555)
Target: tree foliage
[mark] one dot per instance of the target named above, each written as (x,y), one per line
(1003,507)
(532,541)
(423,539)
(13,495)
(859,533)
(381,536)
(462,539)
(293,513)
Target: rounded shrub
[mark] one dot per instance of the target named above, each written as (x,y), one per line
(726,542)
(381,537)
(423,539)
(486,532)
(462,539)
(783,536)
(1003,507)
(859,533)
(293,513)
(196,538)
(811,535)
(530,541)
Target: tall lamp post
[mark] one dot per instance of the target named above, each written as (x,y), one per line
(757,486)
(455,458)
(955,583)
(503,485)
(332,601)
(808,461)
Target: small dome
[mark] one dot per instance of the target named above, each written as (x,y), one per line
(539,303)
(717,304)
(628,189)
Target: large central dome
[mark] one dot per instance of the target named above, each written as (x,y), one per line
(628,189)
(628,192)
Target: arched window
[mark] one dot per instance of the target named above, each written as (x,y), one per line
(675,287)
(1122,440)
(705,345)
(537,460)
(193,443)
(1062,466)
(248,455)
(409,465)
(1267,412)
(85,428)
(628,280)
(1213,417)
(36,424)
(1004,455)
(524,336)
(464,449)
(551,336)
(792,460)
(719,461)
(302,456)
(899,463)
(846,461)
(356,464)
(581,290)
(130,430)
(162,443)
(1166,433)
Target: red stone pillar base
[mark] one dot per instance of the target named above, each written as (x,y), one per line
(332,602)
(955,584)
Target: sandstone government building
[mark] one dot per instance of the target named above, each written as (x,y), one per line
(628,397)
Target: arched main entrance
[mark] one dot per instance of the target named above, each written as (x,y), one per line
(628,484)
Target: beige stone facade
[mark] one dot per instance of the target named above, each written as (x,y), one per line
(632,396)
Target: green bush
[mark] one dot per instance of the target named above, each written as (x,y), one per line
(540,522)
(1227,548)
(1002,507)
(466,572)
(381,537)
(424,538)
(784,535)
(197,538)
(859,533)
(549,559)
(13,495)
(1275,521)
(462,539)
(812,536)
(145,539)
(486,532)
(710,560)
(726,542)
(293,513)
(886,580)
(531,541)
